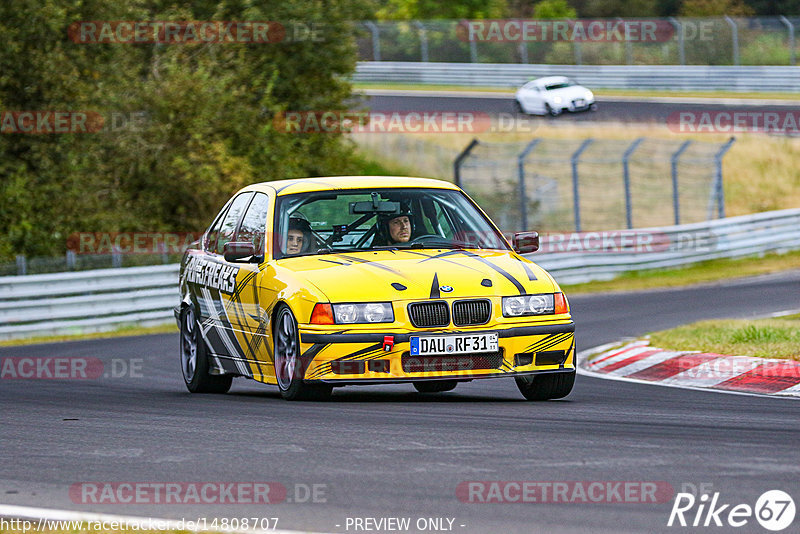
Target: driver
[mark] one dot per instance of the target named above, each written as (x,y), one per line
(395,228)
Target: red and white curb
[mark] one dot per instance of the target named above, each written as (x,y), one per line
(638,361)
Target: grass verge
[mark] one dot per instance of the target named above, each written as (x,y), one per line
(765,338)
(168,328)
(707,271)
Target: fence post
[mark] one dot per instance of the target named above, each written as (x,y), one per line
(461,157)
(626,178)
(578,53)
(376,40)
(423,40)
(734,39)
(70,260)
(790,27)
(473,51)
(523,196)
(681,48)
(116,259)
(718,177)
(628,45)
(575,195)
(673,161)
(22,265)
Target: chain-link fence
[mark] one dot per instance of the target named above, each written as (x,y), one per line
(594,184)
(653,41)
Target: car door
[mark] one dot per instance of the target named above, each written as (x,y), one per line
(216,289)
(248,313)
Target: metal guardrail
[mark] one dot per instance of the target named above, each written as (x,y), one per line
(85,301)
(669,246)
(673,77)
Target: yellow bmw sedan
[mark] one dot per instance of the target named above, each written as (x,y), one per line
(316,283)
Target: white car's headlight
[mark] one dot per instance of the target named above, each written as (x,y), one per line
(367,312)
(557,99)
(542,304)
(588,95)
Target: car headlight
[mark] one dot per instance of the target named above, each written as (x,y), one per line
(366,312)
(588,95)
(542,304)
(557,99)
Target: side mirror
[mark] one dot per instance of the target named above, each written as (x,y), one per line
(237,250)
(525,242)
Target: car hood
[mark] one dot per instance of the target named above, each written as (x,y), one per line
(568,93)
(420,274)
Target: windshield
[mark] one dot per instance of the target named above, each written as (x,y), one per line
(559,85)
(323,222)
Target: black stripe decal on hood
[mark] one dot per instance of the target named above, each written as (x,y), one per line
(483,260)
(435,286)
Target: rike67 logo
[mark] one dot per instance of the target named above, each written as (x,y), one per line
(774,510)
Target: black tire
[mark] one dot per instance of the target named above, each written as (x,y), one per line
(518,107)
(289,369)
(546,386)
(194,359)
(435,386)
(552,111)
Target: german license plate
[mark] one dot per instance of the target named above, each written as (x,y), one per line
(455,344)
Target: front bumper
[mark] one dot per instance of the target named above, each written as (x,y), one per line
(360,357)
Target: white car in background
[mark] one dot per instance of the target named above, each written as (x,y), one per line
(553,95)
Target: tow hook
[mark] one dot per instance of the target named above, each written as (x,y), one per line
(388,343)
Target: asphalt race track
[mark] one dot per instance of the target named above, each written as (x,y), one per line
(390,452)
(608,109)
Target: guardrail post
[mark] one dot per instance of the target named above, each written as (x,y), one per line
(460,158)
(734,39)
(681,47)
(116,259)
(626,178)
(473,51)
(523,196)
(720,193)
(790,27)
(70,260)
(575,194)
(423,40)
(376,40)
(673,161)
(22,265)
(578,52)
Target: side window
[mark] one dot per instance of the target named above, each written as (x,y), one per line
(210,243)
(228,227)
(255,222)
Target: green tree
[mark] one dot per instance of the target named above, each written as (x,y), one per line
(553,9)
(436,9)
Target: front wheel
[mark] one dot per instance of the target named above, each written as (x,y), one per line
(552,111)
(546,386)
(289,369)
(194,359)
(435,386)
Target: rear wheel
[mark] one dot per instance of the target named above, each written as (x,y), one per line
(435,386)
(546,386)
(194,359)
(289,369)
(518,107)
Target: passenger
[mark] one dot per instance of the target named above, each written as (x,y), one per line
(299,236)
